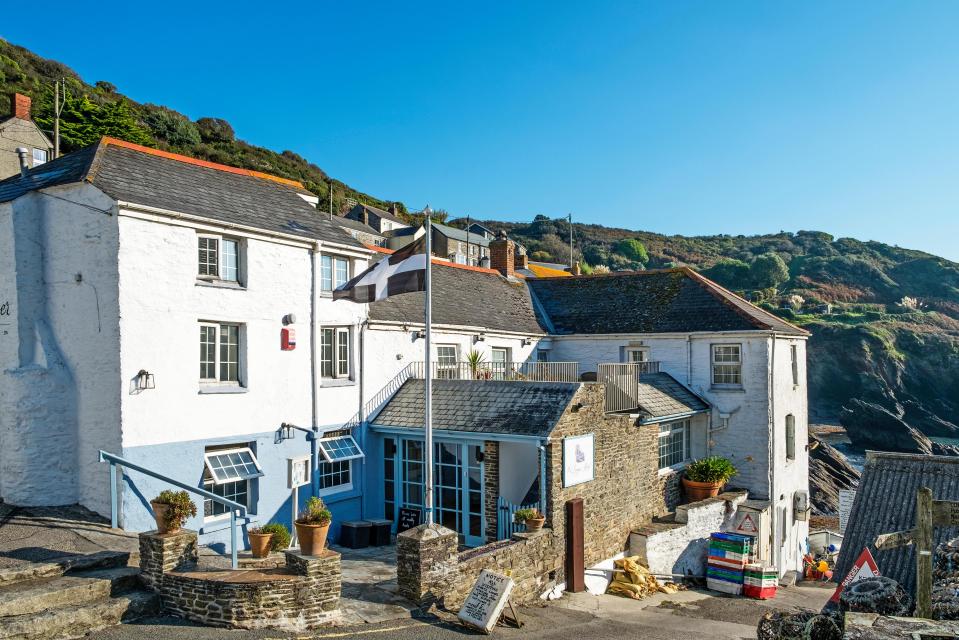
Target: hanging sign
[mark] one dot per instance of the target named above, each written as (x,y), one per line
(486,600)
(409,518)
(298,472)
(865,567)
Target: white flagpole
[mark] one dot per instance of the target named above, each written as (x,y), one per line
(428,366)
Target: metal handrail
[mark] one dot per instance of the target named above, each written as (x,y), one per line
(115,460)
(529,371)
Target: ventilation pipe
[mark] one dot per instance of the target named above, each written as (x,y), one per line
(23,153)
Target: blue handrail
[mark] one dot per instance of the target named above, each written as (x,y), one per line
(115,460)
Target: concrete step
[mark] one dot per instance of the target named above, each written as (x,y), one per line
(59,566)
(78,620)
(73,588)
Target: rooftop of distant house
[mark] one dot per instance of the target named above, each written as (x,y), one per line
(386,215)
(139,175)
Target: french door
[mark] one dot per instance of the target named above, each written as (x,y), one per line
(458,484)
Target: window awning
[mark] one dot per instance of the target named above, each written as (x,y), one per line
(340,448)
(232,465)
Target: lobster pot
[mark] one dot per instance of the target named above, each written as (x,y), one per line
(728,555)
(760,581)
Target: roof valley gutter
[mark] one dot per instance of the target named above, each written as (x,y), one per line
(538,307)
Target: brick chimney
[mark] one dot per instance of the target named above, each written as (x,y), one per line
(521,259)
(394,209)
(502,252)
(20,106)
(576,270)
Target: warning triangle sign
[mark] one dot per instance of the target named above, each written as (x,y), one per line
(865,567)
(747,525)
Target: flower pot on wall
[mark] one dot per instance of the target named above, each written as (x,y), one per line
(700,490)
(160,511)
(535,524)
(312,537)
(260,544)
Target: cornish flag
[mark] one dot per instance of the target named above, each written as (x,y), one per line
(401,272)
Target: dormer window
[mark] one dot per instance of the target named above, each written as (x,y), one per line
(218,258)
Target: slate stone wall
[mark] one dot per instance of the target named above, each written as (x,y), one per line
(671,487)
(301,596)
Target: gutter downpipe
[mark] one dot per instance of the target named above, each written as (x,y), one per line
(314,462)
(542,478)
(362,414)
(774,495)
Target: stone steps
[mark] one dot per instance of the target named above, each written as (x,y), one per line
(78,620)
(74,588)
(59,566)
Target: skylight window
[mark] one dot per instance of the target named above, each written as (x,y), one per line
(232,465)
(340,448)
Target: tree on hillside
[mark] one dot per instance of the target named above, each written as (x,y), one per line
(83,122)
(633,250)
(733,274)
(768,271)
(170,126)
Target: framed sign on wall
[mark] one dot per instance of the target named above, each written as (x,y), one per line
(298,472)
(577,459)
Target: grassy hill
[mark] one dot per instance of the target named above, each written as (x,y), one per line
(892,338)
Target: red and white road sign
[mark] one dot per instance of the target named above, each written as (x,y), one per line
(747,526)
(865,567)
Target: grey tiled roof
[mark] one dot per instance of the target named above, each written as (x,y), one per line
(350,223)
(662,301)
(386,215)
(460,234)
(144,178)
(661,395)
(886,502)
(465,297)
(481,406)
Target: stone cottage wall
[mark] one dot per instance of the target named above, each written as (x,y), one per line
(625,491)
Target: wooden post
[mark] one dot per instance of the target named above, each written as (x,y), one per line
(575,569)
(924,542)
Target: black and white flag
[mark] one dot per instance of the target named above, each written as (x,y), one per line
(401,272)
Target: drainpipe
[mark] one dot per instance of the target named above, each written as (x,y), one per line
(542,478)
(314,374)
(773,492)
(689,361)
(361,362)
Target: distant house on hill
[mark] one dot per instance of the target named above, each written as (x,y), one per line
(456,245)
(480,230)
(361,232)
(17,131)
(381,221)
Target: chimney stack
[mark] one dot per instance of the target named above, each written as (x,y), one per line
(502,252)
(394,209)
(20,106)
(521,259)
(576,270)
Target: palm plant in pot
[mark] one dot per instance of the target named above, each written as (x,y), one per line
(532,518)
(704,478)
(171,510)
(475,360)
(312,526)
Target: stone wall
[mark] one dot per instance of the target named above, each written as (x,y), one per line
(491,477)
(431,570)
(671,486)
(300,596)
(625,491)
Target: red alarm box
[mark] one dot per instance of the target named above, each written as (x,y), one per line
(287,339)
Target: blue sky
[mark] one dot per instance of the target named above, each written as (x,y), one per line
(677,117)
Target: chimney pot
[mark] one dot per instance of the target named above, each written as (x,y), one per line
(23,153)
(20,106)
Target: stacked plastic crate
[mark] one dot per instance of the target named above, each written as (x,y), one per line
(728,555)
(760,581)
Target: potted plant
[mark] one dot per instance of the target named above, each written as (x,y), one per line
(475,359)
(312,526)
(280,539)
(171,509)
(532,518)
(704,478)
(260,541)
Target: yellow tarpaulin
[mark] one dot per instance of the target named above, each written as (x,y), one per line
(632,580)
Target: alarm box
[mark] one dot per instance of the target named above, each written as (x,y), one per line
(287,338)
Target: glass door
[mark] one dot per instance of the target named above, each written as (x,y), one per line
(498,363)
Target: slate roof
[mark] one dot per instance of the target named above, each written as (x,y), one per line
(661,395)
(350,223)
(144,176)
(460,234)
(386,215)
(481,406)
(886,502)
(661,301)
(465,296)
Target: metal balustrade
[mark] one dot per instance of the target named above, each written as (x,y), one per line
(116,461)
(514,371)
(622,383)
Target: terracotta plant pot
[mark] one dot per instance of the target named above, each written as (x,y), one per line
(700,490)
(535,524)
(312,538)
(159,514)
(260,544)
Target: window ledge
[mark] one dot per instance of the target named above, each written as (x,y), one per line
(673,470)
(725,389)
(337,382)
(326,294)
(220,284)
(215,389)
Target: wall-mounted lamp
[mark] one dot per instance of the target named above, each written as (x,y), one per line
(419,333)
(145,380)
(480,337)
(527,342)
(289,318)
(286,431)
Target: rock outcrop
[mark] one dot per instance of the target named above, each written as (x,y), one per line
(829,471)
(872,426)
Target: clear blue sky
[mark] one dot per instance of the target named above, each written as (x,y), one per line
(676,117)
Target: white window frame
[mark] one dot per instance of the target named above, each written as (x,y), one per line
(354,443)
(217,361)
(449,369)
(37,161)
(221,241)
(222,452)
(794,361)
(628,351)
(790,439)
(210,479)
(340,368)
(714,363)
(337,488)
(685,428)
(329,264)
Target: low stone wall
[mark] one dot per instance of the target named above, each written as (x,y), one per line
(302,595)
(431,570)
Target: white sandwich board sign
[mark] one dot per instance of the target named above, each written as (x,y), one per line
(486,600)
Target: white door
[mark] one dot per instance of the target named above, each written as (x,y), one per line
(499,363)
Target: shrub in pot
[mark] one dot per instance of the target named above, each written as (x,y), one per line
(171,510)
(532,518)
(312,526)
(259,542)
(280,539)
(704,478)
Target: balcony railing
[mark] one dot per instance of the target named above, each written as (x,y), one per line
(622,383)
(516,371)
